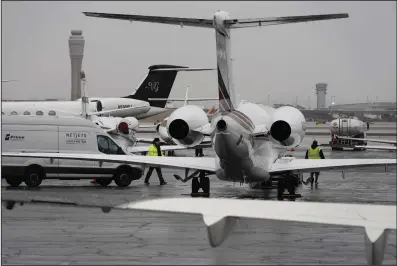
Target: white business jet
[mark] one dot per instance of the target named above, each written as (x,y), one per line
(156,84)
(244,135)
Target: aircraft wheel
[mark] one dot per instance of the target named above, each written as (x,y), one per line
(195,185)
(291,189)
(123,177)
(14,182)
(205,184)
(104,182)
(280,188)
(34,177)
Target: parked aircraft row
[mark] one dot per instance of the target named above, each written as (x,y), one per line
(243,136)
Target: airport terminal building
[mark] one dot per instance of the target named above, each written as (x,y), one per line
(365,106)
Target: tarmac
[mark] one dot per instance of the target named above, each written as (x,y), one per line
(37,234)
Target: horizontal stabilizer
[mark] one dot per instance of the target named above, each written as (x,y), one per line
(208,23)
(195,22)
(258,22)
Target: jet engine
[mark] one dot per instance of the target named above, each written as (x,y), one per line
(288,127)
(161,130)
(128,125)
(183,123)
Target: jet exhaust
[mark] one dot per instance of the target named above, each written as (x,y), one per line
(221,125)
(178,129)
(280,130)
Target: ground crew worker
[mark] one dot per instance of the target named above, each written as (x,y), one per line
(367,125)
(314,152)
(155,150)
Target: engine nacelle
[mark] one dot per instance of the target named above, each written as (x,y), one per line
(288,127)
(161,130)
(181,122)
(106,104)
(128,125)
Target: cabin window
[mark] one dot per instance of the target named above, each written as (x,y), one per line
(26,113)
(39,113)
(52,113)
(107,146)
(14,113)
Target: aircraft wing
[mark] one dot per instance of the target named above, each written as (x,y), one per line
(195,163)
(305,165)
(386,148)
(139,149)
(221,215)
(204,23)
(371,140)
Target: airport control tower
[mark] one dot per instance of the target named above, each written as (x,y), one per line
(321,91)
(76,51)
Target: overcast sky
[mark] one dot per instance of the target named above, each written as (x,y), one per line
(355,56)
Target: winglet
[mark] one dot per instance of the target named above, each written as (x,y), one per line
(375,245)
(219,228)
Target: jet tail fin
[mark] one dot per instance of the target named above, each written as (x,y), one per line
(158,83)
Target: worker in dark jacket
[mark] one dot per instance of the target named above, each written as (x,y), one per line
(314,152)
(155,150)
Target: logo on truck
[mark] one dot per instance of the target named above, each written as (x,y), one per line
(76,138)
(13,137)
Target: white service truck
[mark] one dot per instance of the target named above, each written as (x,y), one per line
(65,135)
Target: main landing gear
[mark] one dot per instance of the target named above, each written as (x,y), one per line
(201,181)
(288,182)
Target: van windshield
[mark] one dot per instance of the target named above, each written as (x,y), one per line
(107,146)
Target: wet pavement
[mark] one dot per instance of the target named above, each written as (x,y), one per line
(37,234)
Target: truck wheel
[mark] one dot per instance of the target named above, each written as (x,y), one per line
(14,182)
(123,177)
(34,177)
(104,182)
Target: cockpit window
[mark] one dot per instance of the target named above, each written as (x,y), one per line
(52,113)
(14,113)
(26,113)
(39,113)
(107,146)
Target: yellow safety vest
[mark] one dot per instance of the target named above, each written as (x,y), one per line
(152,151)
(313,153)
